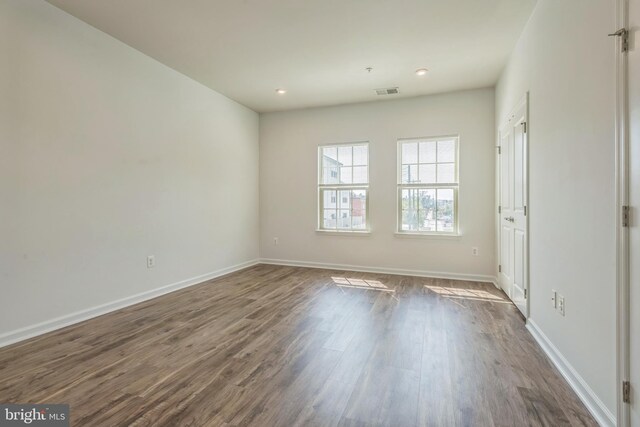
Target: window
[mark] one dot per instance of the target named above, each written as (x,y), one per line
(343,187)
(428,185)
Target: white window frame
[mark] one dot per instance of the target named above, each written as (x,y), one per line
(338,187)
(455,186)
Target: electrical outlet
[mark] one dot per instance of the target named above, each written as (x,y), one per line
(474,251)
(275,241)
(151,261)
(561,305)
(554,297)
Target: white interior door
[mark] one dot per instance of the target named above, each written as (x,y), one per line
(633,58)
(513,208)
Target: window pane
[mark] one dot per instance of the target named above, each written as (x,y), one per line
(404,174)
(427,174)
(445,211)
(360,155)
(329,199)
(359,194)
(409,152)
(409,174)
(345,195)
(330,153)
(346,175)
(426,221)
(329,218)
(409,199)
(345,155)
(409,220)
(359,222)
(358,209)
(412,176)
(329,173)
(446,172)
(409,209)
(446,151)
(428,152)
(427,210)
(344,218)
(360,175)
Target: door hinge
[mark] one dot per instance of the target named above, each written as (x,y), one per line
(525,294)
(499,268)
(626,391)
(525,211)
(499,149)
(524,127)
(499,209)
(623,33)
(625,216)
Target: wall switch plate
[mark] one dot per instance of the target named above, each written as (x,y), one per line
(474,251)
(561,305)
(151,261)
(275,241)
(554,298)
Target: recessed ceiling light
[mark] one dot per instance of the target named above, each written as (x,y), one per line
(422,71)
(281,91)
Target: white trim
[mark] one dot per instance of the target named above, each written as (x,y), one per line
(31,331)
(347,233)
(384,270)
(623,308)
(342,187)
(600,412)
(435,236)
(455,186)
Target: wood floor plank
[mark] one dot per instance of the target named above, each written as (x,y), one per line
(274,345)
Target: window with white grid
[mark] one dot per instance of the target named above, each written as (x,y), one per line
(428,185)
(343,187)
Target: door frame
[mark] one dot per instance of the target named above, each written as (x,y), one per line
(623,336)
(523,103)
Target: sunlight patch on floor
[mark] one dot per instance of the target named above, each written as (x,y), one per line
(374,285)
(469,294)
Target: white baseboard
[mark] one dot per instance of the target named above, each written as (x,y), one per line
(384,270)
(600,412)
(31,331)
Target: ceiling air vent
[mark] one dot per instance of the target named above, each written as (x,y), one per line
(387,91)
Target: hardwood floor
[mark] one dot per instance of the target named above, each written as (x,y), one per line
(288,346)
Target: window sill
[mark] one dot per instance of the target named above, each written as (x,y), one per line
(343,233)
(434,236)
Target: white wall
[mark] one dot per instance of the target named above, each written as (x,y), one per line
(566,61)
(288,182)
(107,156)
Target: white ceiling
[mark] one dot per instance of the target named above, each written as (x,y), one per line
(317,49)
